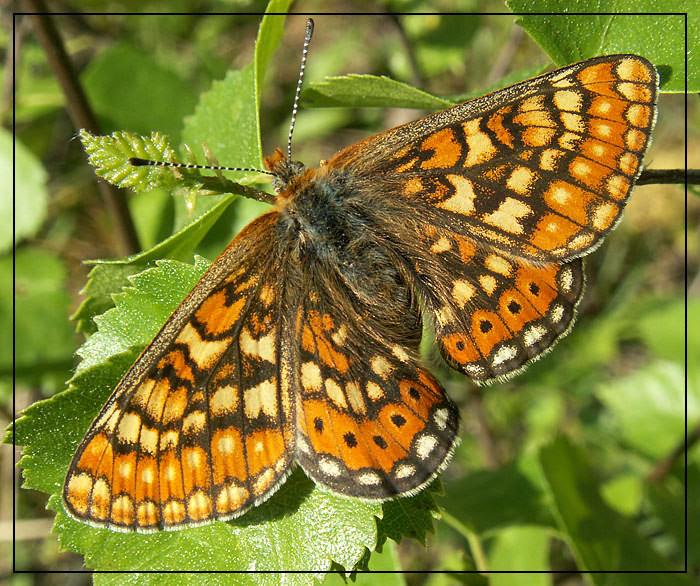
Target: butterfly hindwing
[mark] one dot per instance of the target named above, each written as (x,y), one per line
(493,313)
(371,422)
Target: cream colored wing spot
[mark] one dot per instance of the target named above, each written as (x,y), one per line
(142,394)
(568,100)
(148,440)
(440,245)
(330,467)
(549,159)
(462,202)
(369,479)
(521,180)
(231,497)
(634,92)
(335,393)
(400,353)
(604,215)
(261,398)
(573,122)
(631,69)
(618,186)
(226,444)
(569,141)
(194,422)
(340,335)
(405,471)
(355,398)
(638,115)
(381,366)
(488,283)
(440,418)
(156,401)
(534,334)
(203,353)
(481,148)
(224,400)
(311,378)
(374,391)
(125,469)
(128,428)
(425,446)
(565,279)
(508,215)
(462,292)
(635,140)
(533,103)
(498,264)
(169,439)
(503,354)
(557,313)
(148,475)
(263,347)
(628,163)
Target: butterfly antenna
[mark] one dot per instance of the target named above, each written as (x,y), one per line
(138,162)
(304,52)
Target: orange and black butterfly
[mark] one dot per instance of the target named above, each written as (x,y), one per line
(300,343)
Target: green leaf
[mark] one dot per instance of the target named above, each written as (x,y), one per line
(128,89)
(601,539)
(668,501)
(662,327)
(110,276)
(43,338)
(486,500)
(567,38)
(515,549)
(369,91)
(31,197)
(226,121)
(648,406)
(110,156)
(140,310)
(269,36)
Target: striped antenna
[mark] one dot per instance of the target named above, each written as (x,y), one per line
(304,52)
(137,162)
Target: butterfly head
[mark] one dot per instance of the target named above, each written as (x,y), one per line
(286,173)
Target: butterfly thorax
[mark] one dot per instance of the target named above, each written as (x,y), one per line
(330,233)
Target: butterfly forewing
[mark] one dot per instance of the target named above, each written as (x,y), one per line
(541,170)
(199,427)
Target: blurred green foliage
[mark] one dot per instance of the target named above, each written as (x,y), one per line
(552,473)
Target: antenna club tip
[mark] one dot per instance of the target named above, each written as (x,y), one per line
(309,26)
(137,162)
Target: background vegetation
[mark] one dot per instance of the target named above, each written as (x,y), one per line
(569,467)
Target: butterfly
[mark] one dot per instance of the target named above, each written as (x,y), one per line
(300,344)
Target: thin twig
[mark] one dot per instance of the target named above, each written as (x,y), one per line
(676,176)
(81,114)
